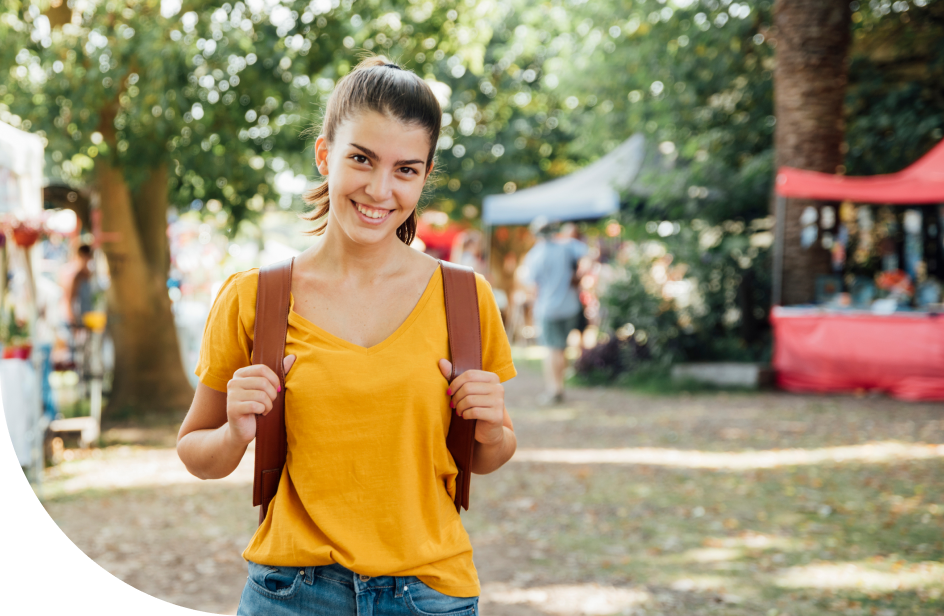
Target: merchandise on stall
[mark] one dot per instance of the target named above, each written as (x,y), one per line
(878,324)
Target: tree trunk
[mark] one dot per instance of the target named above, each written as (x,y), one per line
(810,77)
(149,374)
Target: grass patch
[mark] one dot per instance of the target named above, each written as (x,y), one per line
(653,380)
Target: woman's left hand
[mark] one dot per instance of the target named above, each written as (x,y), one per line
(476,394)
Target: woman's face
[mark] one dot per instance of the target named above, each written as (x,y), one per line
(376,169)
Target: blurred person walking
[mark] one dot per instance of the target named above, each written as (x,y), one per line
(553,266)
(364,519)
(77,287)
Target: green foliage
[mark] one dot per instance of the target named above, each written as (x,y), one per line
(693,292)
(14,330)
(698,82)
(535,90)
(895,105)
(636,308)
(730,269)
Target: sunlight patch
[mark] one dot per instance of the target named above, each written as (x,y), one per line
(583,599)
(869,453)
(130,467)
(878,577)
(703,583)
(711,555)
(754,541)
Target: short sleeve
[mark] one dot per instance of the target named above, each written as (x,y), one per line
(579,249)
(227,342)
(529,265)
(496,351)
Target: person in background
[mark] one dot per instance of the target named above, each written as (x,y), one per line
(468,251)
(76,281)
(582,267)
(552,266)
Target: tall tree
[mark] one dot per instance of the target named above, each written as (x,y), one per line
(809,90)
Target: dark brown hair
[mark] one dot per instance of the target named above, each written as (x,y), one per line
(377,85)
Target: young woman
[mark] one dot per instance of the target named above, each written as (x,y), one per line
(363,521)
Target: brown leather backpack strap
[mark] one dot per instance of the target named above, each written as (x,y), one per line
(465,346)
(272,307)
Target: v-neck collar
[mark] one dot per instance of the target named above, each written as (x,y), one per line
(435,282)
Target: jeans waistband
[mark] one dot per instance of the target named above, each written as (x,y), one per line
(360,582)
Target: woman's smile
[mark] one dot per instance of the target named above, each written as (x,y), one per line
(371,215)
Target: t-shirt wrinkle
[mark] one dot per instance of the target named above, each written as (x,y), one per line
(368,482)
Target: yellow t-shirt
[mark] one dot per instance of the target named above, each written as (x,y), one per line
(368,481)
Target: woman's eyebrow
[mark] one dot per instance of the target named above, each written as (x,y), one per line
(373,155)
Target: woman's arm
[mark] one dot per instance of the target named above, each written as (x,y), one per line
(219,426)
(487,458)
(205,443)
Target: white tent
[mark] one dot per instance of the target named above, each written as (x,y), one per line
(21,171)
(592,192)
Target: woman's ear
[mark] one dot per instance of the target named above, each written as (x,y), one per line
(321,155)
(429,171)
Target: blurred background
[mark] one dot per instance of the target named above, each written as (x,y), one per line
(752,421)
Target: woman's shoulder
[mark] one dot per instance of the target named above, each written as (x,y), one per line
(239,289)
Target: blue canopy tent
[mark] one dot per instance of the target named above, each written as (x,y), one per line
(590,193)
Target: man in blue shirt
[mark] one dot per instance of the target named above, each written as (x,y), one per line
(552,266)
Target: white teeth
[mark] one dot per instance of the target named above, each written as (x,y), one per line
(371,213)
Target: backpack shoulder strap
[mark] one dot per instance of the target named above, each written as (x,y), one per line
(268,348)
(465,347)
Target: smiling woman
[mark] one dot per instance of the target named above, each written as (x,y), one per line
(364,516)
(390,99)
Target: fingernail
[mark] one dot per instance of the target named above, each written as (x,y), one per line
(280,388)
(452,404)
(449,392)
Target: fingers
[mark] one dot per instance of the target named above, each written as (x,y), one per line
(445,367)
(249,401)
(259,383)
(477,376)
(260,370)
(475,387)
(480,407)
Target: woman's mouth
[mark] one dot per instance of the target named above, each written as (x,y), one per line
(370,215)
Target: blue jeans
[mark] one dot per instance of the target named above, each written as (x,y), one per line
(333,590)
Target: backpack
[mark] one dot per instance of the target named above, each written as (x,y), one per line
(272,310)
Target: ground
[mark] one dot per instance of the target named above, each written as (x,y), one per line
(616,503)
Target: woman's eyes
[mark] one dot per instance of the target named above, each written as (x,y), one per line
(361,159)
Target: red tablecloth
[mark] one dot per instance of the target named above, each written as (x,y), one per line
(901,354)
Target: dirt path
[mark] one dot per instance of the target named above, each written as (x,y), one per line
(692,504)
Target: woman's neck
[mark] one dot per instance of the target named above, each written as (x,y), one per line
(337,255)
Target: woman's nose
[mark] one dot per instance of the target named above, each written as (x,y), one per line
(379,187)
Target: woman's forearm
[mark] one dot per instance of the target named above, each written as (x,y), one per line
(211,453)
(489,458)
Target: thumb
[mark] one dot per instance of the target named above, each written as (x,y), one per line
(287,364)
(445,366)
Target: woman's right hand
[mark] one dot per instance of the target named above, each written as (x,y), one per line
(251,391)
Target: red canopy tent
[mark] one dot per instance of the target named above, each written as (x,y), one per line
(822,351)
(438,239)
(922,182)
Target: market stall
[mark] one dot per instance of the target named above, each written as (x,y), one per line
(879,321)
(21,421)
(21,205)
